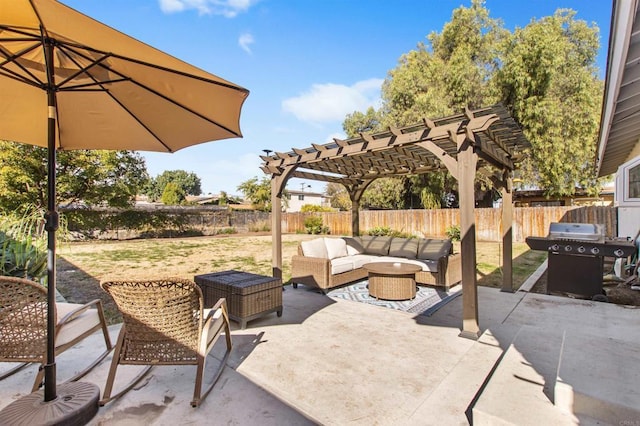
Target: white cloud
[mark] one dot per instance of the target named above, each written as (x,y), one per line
(245,41)
(337,135)
(226,8)
(332,102)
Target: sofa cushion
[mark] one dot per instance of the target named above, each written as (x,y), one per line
(426,265)
(375,244)
(341,264)
(404,247)
(336,247)
(315,248)
(433,249)
(361,259)
(354,246)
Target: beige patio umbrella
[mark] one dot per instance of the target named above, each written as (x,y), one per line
(70,82)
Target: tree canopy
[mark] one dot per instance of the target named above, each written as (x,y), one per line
(258,192)
(544,73)
(185,183)
(111,178)
(549,81)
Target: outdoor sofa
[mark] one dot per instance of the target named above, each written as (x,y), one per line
(331,262)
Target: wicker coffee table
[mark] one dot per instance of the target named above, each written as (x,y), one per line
(249,296)
(392,281)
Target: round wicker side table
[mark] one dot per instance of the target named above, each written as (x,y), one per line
(392,280)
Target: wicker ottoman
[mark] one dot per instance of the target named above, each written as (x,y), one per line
(249,296)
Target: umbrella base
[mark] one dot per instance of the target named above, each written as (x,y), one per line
(76,404)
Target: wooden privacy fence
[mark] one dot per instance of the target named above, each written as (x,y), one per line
(528,221)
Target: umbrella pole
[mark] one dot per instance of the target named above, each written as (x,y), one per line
(51,226)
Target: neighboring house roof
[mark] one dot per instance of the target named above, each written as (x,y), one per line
(619,139)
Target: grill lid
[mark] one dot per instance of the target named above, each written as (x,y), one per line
(576,231)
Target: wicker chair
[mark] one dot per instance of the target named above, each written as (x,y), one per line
(23,326)
(165,324)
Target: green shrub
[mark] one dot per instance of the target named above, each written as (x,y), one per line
(226,231)
(453,232)
(260,226)
(23,245)
(385,231)
(307,208)
(314,225)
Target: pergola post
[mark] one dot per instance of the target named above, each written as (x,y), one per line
(355,194)
(355,217)
(467,161)
(507,233)
(276,227)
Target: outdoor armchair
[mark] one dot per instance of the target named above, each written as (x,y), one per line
(23,326)
(164,323)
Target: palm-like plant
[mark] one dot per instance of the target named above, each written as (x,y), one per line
(23,245)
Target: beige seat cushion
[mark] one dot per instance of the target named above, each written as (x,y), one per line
(76,327)
(341,264)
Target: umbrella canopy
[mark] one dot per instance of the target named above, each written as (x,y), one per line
(70,82)
(112,91)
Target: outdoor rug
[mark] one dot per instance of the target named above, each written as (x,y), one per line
(427,301)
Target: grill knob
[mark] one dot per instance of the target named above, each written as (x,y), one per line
(581,249)
(595,250)
(568,248)
(554,247)
(618,252)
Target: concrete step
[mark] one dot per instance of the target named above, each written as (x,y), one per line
(520,389)
(597,378)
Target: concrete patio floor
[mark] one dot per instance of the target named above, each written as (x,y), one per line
(347,363)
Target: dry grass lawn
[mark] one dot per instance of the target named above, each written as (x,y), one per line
(83,265)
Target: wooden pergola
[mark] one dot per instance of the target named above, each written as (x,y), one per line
(486,140)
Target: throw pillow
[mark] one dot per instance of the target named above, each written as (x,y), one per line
(353,246)
(376,244)
(404,247)
(433,249)
(314,248)
(336,247)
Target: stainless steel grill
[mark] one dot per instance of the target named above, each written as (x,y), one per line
(576,256)
(576,232)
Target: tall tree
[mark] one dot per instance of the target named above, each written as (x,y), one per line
(384,193)
(258,192)
(113,178)
(188,182)
(358,122)
(550,82)
(172,195)
(545,73)
(453,71)
(338,196)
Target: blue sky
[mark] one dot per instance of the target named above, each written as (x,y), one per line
(307,63)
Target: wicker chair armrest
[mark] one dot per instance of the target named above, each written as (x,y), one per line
(220,306)
(80,310)
(302,265)
(453,268)
(309,260)
(216,313)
